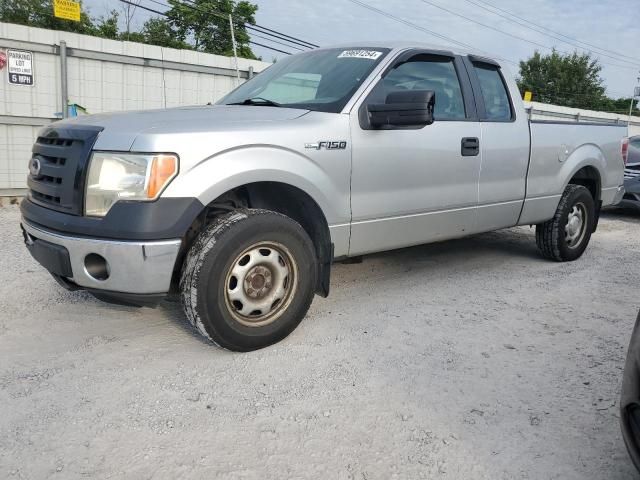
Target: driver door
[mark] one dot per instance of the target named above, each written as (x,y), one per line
(416,184)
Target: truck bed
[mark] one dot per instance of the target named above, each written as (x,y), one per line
(559,150)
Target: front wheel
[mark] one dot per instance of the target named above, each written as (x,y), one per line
(249,279)
(566,236)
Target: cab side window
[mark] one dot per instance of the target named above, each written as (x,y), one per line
(426,72)
(494,93)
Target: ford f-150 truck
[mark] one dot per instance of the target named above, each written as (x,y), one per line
(241,207)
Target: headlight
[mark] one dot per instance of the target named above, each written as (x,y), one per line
(122,176)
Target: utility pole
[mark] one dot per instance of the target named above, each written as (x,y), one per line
(636,93)
(64,92)
(128,14)
(235,50)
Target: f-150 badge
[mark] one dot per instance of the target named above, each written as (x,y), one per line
(326,145)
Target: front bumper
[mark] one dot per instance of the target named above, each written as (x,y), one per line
(630,397)
(105,267)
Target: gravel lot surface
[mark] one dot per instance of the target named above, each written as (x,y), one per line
(470,359)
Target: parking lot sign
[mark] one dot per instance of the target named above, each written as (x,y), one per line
(20,67)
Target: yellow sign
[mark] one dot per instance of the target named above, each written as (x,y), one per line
(66,9)
(527,96)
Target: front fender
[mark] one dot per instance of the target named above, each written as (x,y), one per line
(239,166)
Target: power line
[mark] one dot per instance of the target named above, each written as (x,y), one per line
(309,44)
(426,30)
(276,41)
(256,28)
(192,4)
(418,27)
(247,25)
(144,8)
(560,34)
(270,48)
(518,37)
(543,30)
(157,12)
(480,23)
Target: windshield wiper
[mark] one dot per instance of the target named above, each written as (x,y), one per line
(259,101)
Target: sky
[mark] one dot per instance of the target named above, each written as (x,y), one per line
(612,25)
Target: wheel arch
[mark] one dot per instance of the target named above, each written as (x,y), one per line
(586,165)
(280,197)
(588,176)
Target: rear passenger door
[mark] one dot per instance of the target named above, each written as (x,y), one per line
(504,145)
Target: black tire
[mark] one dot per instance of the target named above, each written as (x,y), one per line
(552,237)
(208,272)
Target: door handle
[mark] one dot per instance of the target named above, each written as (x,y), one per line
(470,146)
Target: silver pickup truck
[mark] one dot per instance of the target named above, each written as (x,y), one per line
(241,207)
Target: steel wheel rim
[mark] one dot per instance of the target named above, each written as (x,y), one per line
(576,227)
(260,284)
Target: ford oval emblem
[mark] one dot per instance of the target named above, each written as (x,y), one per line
(34,167)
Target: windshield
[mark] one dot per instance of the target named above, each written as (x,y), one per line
(322,80)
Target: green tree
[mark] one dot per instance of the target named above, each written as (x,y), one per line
(39,13)
(205,24)
(137,37)
(107,27)
(571,80)
(620,105)
(203,27)
(157,31)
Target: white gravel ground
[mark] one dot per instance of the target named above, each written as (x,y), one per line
(471,359)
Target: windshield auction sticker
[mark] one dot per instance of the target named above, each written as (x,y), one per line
(369,54)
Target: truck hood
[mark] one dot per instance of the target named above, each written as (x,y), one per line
(122,128)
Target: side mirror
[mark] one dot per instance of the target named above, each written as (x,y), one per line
(403,108)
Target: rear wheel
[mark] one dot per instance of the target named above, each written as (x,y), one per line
(566,236)
(249,278)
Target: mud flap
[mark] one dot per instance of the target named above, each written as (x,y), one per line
(597,216)
(324,276)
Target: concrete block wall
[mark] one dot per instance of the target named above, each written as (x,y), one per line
(102,76)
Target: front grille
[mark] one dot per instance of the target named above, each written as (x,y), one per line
(58,167)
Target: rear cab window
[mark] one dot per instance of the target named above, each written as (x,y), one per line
(495,95)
